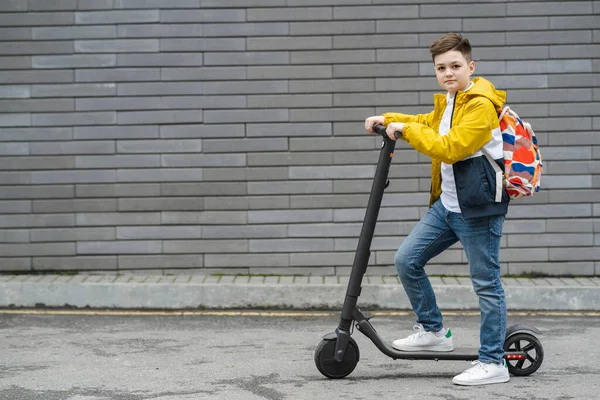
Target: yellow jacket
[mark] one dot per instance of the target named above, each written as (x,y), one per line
(474,118)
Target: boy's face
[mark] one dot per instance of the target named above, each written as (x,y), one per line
(453,71)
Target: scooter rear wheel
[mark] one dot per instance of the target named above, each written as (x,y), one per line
(328,366)
(528,344)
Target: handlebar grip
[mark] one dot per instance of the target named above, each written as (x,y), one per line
(380,130)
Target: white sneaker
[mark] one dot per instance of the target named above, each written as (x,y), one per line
(424,341)
(482,374)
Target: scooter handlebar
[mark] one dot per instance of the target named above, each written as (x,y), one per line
(380,130)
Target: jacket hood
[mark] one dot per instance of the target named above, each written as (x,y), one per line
(485,88)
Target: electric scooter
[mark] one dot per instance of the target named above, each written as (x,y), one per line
(337,354)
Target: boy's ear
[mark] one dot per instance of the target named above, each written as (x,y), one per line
(471,67)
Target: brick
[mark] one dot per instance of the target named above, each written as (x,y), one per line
(376,99)
(74,205)
(30,76)
(15,62)
(15,206)
(15,33)
(116,17)
(290,100)
(13,5)
(88,176)
(286,187)
(324,144)
(246,260)
(14,149)
(120,247)
(14,235)
(26,48)
(36,19)
(574,253)
(250,31)
(578,138)
(507,24)
(331,172)
(117,75)
(74,90)
(550,268)
(117,219)
(289,216)
(124,161)
(549,95)
(244,145)
(159,146)
(203,189)
(117,190)
(37,249)
(160,261)
(74,32)
(375,41)
(290,245)
(289,14)
(246,174)
(576,22)
(159,117)
(327,201)
(37,191)
(38,220)
(72,234)
(332,85)
(551,37)
(332,28)
(331,114)
(551,210)
(36,163)
(43,5)
(375,12)
(421,25)
(574,51)
(288,129)
(322,258)
(289,72)
(159,232)
(84,118)
(73,147)
(161,204)
(202,102)
(205,15)
(11,120)
(566,225)
(332,56)
(574,80)
(117,103)
(245,87)
(205,246)
(247,58)
(233,116)
(159,88)
(463,11)
(204,160)
(75,263)
(36,105)
(551,240)
(160,175)
(583,109)
(117,46)
(558,8)
(203,74)
(135,4)
(95,4)
(199,131)
(116,132)
(246,231)
(159,60)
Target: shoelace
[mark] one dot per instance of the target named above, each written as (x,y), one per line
(419,331)
(476,365)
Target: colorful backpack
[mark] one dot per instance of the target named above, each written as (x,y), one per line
(522,157)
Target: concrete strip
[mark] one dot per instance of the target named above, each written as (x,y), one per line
(156,292)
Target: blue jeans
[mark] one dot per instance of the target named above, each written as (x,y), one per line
(480,237)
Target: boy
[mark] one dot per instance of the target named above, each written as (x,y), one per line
(467,204)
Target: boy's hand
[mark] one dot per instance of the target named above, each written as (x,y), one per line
(375,120)
(393,128)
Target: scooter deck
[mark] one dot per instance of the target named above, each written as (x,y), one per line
(458,354)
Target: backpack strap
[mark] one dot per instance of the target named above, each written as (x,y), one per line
(499,176)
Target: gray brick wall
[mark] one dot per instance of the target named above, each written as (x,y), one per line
(226,136)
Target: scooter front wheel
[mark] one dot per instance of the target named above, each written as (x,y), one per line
(328,366)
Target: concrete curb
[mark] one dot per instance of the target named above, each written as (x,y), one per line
(326,293)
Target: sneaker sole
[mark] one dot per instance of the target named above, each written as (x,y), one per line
(490,381)
(439,349)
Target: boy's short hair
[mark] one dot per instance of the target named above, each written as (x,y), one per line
(449,42)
